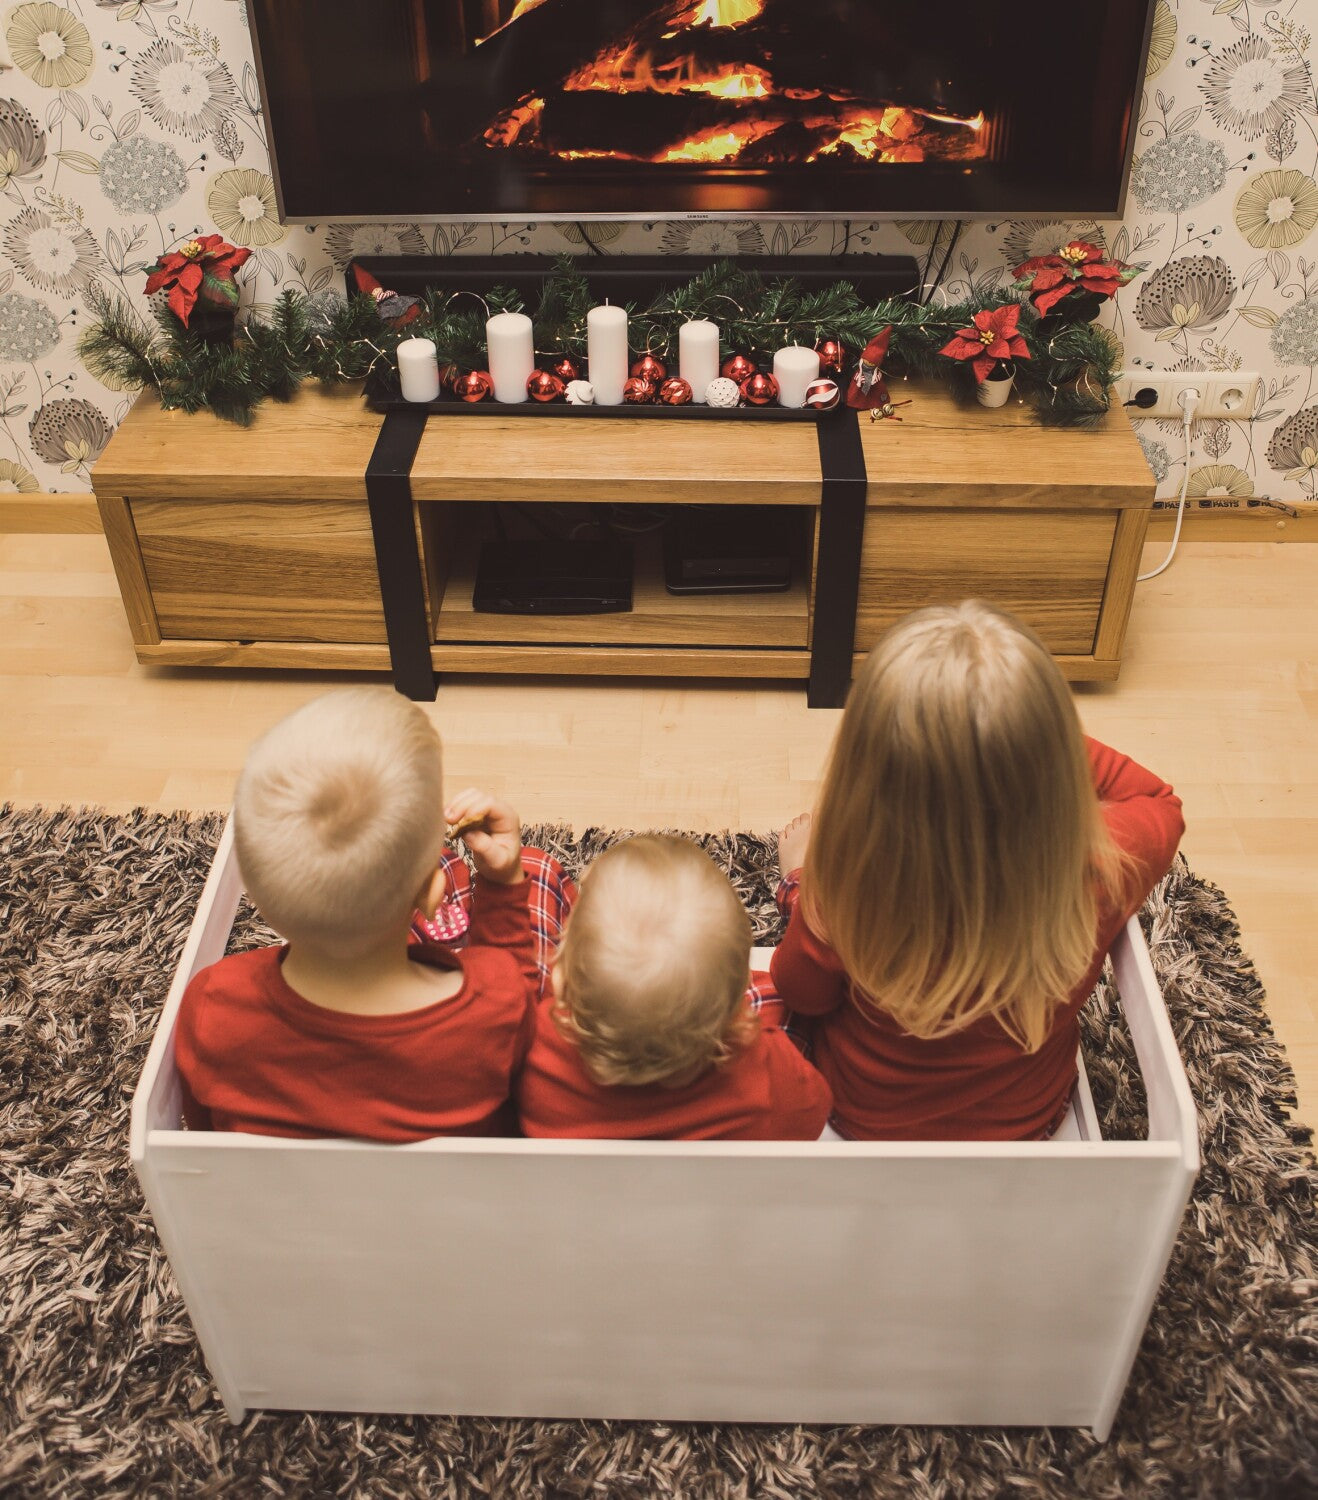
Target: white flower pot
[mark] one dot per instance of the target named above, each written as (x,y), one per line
(997,387)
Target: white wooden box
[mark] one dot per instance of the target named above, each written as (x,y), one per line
(937,1283)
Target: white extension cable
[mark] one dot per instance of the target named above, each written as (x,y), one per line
(1189,405)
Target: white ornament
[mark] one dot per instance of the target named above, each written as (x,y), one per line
(822,395)
(722,392)
(580,393)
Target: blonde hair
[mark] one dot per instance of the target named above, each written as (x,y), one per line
(337,818)
(958,849)
(652,972)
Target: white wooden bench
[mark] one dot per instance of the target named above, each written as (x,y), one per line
(935,1283)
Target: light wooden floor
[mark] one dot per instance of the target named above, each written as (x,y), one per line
(1219,694)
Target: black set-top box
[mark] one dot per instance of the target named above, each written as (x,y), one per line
(548,577)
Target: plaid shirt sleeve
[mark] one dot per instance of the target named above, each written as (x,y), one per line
(765,1001)
(549,898)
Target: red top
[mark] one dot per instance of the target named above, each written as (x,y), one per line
(255,1056)
(976,1084)
(767,1092)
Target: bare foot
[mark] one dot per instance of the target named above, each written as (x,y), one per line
(792,843)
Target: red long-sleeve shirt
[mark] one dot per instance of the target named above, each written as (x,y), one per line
(766,1092)
(256,1056)
(977,1084)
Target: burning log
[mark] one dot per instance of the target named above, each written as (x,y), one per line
(763,56)
(546,44)
(715,81)
(667,127)
(640,126)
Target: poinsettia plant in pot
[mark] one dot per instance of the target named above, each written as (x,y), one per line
(1072,285)
(991,345)
(199,278)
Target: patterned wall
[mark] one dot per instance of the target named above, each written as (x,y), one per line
(128,126)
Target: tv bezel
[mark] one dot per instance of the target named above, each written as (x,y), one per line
(1003,210)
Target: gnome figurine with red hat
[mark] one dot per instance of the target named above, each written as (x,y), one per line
(867,392)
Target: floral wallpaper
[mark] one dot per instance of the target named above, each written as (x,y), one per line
(129,126)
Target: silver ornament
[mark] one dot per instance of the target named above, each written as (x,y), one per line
(722,392)
(580,393)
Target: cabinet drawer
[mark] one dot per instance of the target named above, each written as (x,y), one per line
(1047,567)
(267,570)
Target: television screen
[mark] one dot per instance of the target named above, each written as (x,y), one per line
(569,109)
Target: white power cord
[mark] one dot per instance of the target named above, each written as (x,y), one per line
(1189,400)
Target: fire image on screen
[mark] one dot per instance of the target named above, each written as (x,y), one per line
(564,108)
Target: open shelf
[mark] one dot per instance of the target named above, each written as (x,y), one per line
(770,621)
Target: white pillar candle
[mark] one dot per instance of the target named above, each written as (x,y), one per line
(511,351)
(606,353)
(794,368)
(697,356)
(418,369)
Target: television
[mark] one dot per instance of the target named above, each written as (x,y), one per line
(585,109)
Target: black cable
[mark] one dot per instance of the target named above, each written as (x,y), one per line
(942,270)
(532,516)
(929,261)
(586,239)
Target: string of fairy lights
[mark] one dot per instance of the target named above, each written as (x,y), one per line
(1067,376)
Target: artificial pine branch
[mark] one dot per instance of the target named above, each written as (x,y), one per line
(1068,378)
(120,348)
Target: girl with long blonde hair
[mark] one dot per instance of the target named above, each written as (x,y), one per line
(969,862)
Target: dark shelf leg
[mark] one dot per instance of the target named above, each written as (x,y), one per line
(397,559)
(837,576)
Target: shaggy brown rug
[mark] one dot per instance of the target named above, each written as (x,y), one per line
(104,1392)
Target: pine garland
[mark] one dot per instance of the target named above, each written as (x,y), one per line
(1068,378)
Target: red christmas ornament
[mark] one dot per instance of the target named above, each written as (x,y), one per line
(832,356)
(544,385)
(737,367)
(675,392)
(759,389)
(475,385)
(447,375)
(637,392)
(566,368)
(651,369)
(822,395)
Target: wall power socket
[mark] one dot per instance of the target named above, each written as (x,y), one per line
(1232,395)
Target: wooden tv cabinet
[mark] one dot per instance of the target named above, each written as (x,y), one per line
(253,547)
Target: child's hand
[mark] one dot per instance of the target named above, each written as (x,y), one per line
(492,832)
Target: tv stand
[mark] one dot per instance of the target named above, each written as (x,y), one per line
(267,547)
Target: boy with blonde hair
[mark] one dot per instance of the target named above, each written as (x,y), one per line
(347,1029)
(649,1032)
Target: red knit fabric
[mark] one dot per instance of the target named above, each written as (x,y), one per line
(977,1084)
(767,1092)
(255,1056)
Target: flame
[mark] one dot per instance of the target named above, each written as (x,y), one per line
(975,122)
(723,13)
(719,145)
(748,83)
(633,71)
(708,13)
(833,124)
(517,126)
(519,10)
(889,136)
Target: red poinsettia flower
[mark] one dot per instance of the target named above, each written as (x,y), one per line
(1077,266)
(993,337)
(203,268)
